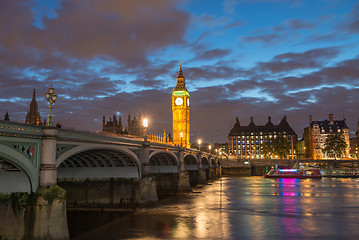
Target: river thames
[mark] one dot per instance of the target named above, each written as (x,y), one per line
(237,208)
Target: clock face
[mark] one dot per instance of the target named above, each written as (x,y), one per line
(179,101)
(188,102)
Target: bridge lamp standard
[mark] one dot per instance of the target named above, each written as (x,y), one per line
(51,97)
(181,135)
(145,125)
(209,148)
(199,144)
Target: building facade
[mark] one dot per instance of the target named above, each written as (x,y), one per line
(181,110)
(248,141)
(318,131)
(112,125)
(135,126)
(33,116)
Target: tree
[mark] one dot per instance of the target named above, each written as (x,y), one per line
(267,148)
(281,146)
(276,146)
(335,145)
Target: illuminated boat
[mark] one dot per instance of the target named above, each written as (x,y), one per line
(294,173)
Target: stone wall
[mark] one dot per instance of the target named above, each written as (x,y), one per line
(167,182)
(109,193)
(244,171)
(36,216)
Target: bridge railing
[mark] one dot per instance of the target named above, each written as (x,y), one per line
(8,128)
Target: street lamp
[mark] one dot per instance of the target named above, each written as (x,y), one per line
(145,125)
(209,148)
(199,144)
(181,135)
(51,97)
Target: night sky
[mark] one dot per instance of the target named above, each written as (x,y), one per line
(242,58)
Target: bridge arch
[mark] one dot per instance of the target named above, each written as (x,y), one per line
(163,162)
(98,161)
(213,163)
(28,176)
(205,162)
(191,166)
(190,162)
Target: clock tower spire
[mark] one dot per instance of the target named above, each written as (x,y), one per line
(180,110)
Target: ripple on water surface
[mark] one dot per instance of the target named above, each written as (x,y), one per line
(237,208)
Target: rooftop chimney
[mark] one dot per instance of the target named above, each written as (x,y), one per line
(331,120)
(269,119)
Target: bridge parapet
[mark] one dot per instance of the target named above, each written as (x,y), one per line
(14,129)
(97,137)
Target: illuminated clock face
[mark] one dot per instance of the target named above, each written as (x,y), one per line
(188,102)
(179,101)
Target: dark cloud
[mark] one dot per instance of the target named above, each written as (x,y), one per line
(234,24)
(210,73)
(148,83)
(122,30)
(212,54)
(278,34)
(265,38)
(290,61)
(353,22)
(294,24)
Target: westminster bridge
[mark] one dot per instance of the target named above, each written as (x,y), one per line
(34,156)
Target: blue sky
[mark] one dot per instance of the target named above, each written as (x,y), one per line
(241,58)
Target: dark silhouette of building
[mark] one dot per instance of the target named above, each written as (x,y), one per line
(7,117)
(247,141)
(33,116)
(135,126)
(113,125)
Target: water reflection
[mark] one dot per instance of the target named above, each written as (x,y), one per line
(289,208)
(237,208)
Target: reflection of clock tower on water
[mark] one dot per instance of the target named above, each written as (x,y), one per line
(180,109)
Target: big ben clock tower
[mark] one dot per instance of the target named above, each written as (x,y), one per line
(180,110)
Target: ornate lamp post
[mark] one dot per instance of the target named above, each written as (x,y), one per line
(145,125)
(51,97)
(199,144)
(181,135)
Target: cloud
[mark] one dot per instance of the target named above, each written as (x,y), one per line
(229,6)
(212,54)
(281,33)
(314,58)
(147,83)
(294,24)
(353,21)
(123,30)
(265,38)
(234,24)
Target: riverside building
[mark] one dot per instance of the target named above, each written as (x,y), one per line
(247,141)
(318,131)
